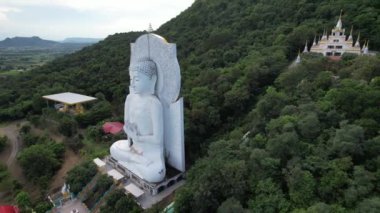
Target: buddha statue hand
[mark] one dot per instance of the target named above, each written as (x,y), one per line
(131,130)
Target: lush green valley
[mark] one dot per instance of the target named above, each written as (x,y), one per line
(260,135)
(20,54)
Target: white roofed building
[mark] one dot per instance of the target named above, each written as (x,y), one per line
(68,99)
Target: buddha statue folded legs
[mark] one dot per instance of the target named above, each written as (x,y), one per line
(150,168)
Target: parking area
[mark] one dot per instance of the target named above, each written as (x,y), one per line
(72,205)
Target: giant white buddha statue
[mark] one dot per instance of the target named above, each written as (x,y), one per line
(143,151)
(153,113)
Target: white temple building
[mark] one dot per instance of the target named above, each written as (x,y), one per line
(337,43)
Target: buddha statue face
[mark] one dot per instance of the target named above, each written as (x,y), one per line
(144,77)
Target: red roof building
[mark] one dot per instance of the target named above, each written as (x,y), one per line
(112,127)
(9,209)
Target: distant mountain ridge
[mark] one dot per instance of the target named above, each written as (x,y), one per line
(34,41)
(81,40)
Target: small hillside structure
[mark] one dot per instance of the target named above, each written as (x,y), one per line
(68,99)
(134,190)
(117,176)
(100,164)
(112,127)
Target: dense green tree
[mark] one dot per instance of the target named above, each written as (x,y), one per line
(262,165)
(125,203)
(322,208)
(43,207)
(370,205)
(231,205)
(39,162)
(268,198)
(79,176)
(23,200)
(94,132)
(348,140)
(3,142)
(284,146)
(75,143)
(4,174)
(335,179)
(67,126)
(302,187)
(118,202)
(270,106)
(98,112)
(360,186)
(309,126)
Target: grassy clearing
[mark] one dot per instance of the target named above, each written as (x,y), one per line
(6,184)
(11,72)
(93,150)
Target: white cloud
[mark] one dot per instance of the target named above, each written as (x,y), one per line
(106,5)
(5,10)
(86,18)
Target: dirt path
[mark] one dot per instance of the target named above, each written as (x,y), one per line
(70,160)
(16,145)
(11,130)
(9,155)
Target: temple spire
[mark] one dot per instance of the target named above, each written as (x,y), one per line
(324,36)
(365,47)
(339,23)
(314,41)
(298,59)
(305,50)
(357,43)
(350,36)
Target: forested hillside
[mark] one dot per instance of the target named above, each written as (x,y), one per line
(310,144)
(312,139)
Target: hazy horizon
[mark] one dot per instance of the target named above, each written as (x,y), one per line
(60,19)
(73,37)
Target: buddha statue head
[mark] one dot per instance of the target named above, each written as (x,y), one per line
(144,76)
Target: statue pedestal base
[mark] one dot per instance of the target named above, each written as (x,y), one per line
(153,192)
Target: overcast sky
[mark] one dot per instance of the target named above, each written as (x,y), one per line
(59,19)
